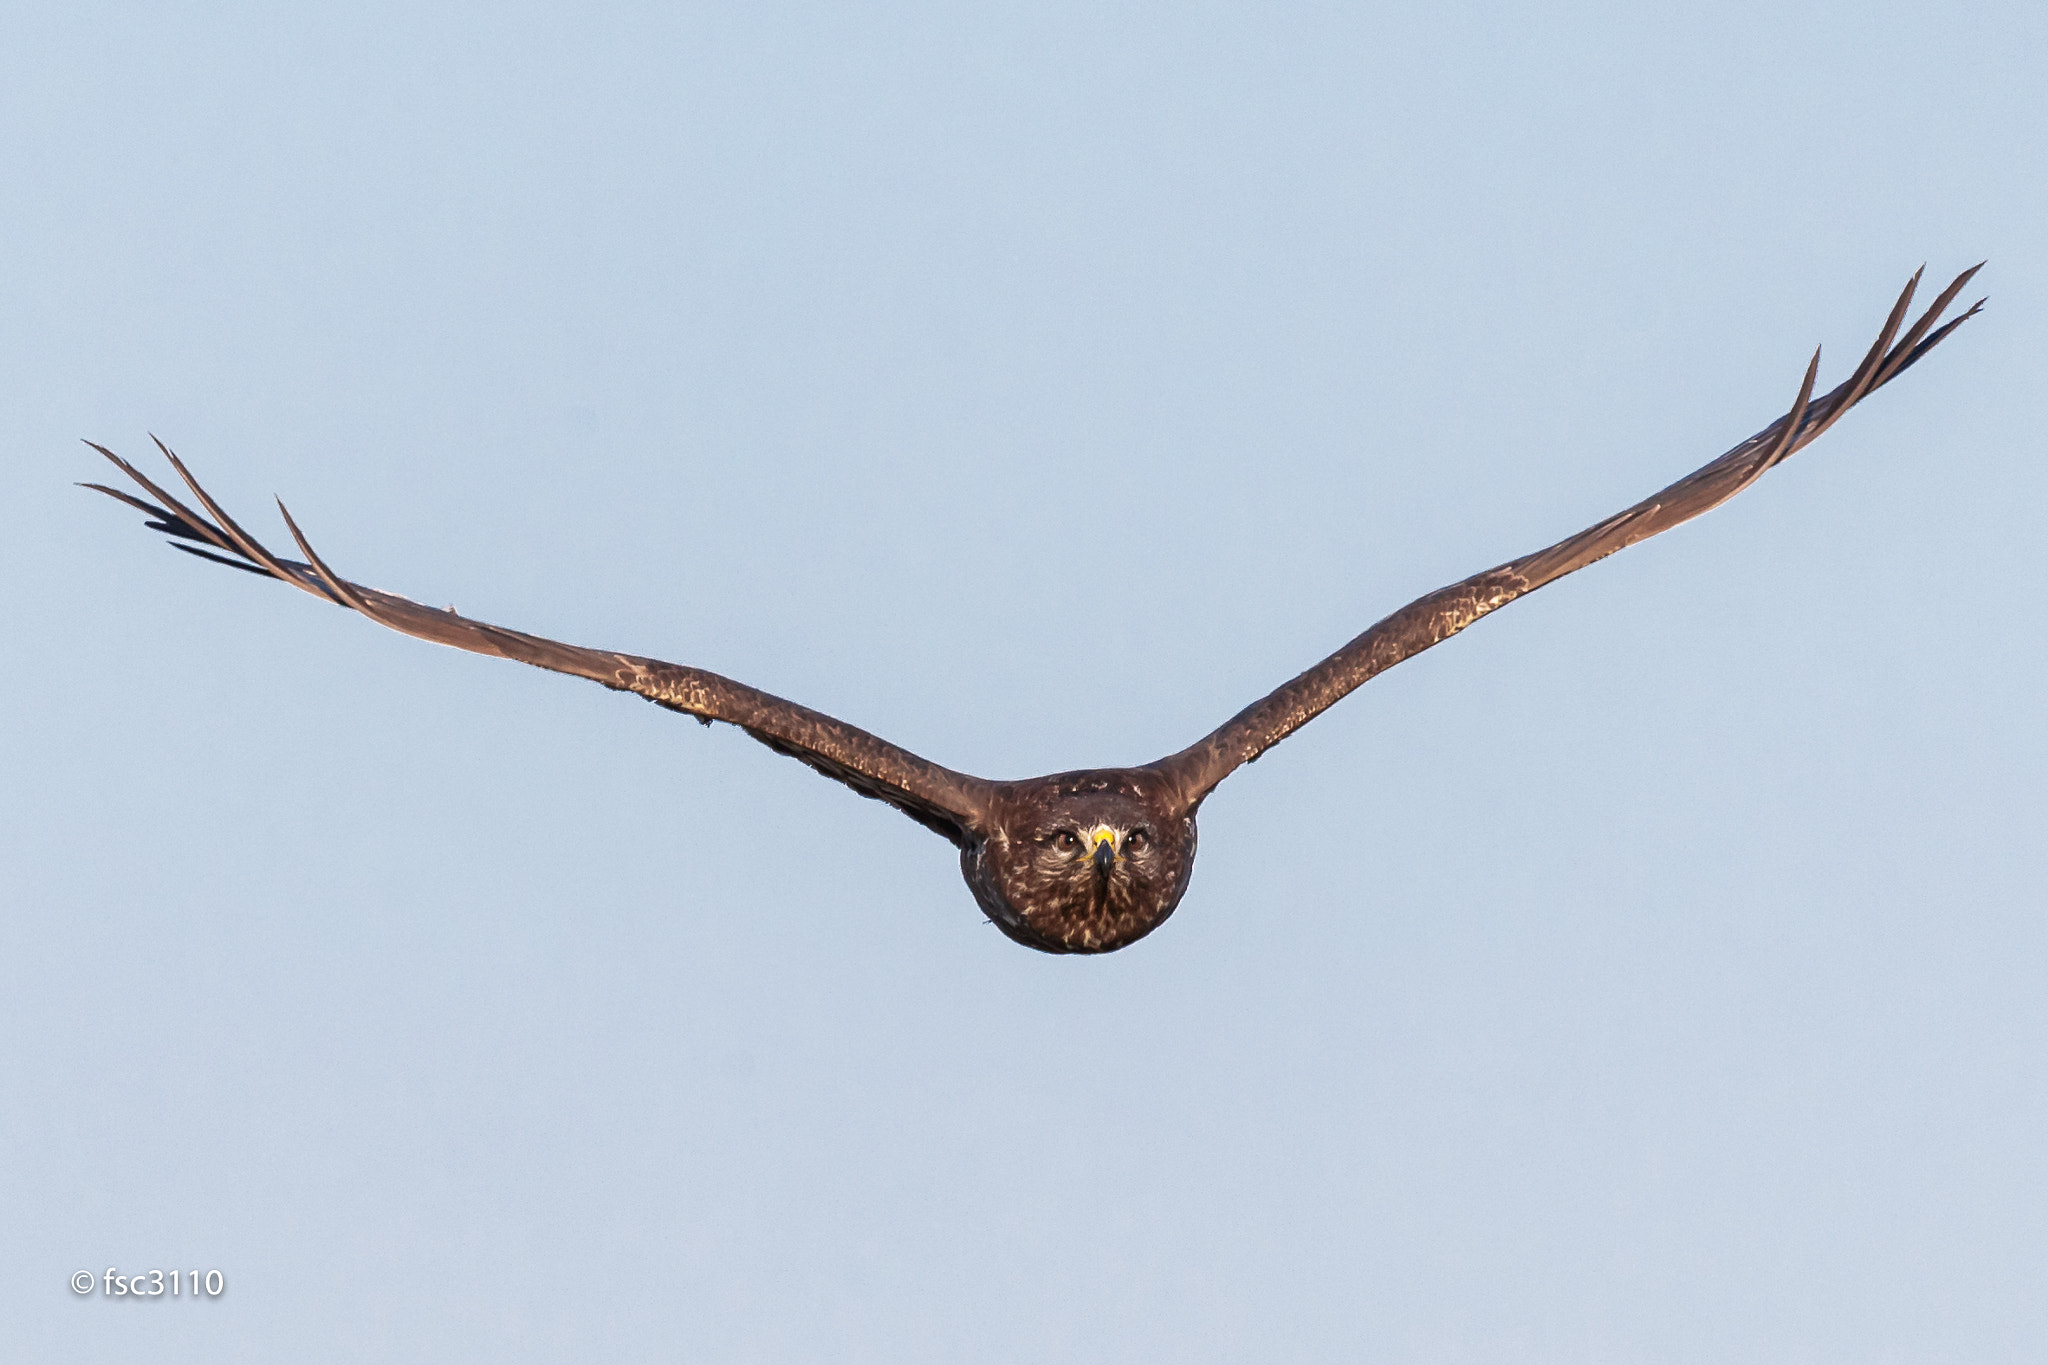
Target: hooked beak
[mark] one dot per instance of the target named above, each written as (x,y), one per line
(1105,856)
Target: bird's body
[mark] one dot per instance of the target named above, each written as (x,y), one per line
(1086,861)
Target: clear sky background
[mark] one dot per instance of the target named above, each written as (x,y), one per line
(1654,973)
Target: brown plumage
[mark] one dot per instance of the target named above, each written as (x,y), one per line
(1079,862)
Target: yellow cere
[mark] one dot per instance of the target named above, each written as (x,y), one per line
(1100,835)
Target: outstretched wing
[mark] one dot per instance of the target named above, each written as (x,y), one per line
(1442,614)
(952,804)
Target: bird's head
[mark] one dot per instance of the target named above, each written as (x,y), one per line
(1083,862)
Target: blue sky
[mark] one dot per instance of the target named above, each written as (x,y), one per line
(1650,974)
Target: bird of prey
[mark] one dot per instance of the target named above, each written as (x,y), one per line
(1075,862)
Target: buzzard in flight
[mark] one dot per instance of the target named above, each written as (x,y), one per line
(1077,862)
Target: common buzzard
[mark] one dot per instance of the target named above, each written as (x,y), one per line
(1077,862)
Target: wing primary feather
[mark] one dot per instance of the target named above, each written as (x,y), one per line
(146,508)
(1934,338)
(244,542)
(196,527)
(1908,344)
(335,587)
(222,559)
(1793,420)
(200,529)
(1858,382)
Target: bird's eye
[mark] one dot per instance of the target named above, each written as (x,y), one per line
(1066,841)
(1136,839)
